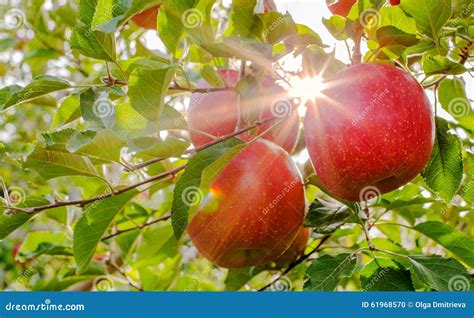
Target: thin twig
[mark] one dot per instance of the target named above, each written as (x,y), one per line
(298,261)
(200,148)
(82,203)
(201,90)
(464,58)
(170,173)
(166,217)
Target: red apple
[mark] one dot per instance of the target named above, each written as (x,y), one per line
(296,249)
(254,210)
(147,19)
(216,113)
(394,2)
(372,127)
(340,7)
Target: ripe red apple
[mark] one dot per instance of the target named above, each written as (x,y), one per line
(394,2)
(216,113)
(340,7)
(147,19)
(296,249)
(254,210)
(372,127)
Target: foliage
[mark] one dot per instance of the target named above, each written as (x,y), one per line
(96,157)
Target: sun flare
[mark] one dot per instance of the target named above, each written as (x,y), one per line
(306,88)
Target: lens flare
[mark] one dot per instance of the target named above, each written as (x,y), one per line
(306,88)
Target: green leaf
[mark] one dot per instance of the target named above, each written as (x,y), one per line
(42,242)
(170,22)
(171,119)
(277,26)
(69,111)
(6,93)
(191,179)
(325,216)
(326,272)
(389,36)
(385,275)
(86,11)
(256,52)
(197,22)
(93,224)
(453,240)
(436,65)
(336,25)
(130,124)
(40,86)
(62,140)
(430,15)
(169,148)
(211,76)
(237,278)
(468,186)
(106,145)
(395,17)
(453,98)
(444,171)
(441,274)
(303,37)
(9,223)
(244,22)
(53,164)
(147,90)
(94,44)
(108,13)
(96,108)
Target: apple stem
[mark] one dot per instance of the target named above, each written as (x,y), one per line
(357,55)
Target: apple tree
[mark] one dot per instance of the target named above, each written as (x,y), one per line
(210,145)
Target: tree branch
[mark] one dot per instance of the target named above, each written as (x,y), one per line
(298,261)
(200,148)
(166,217)
(464,57)
(201,90)
(82,203)
(170,173)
